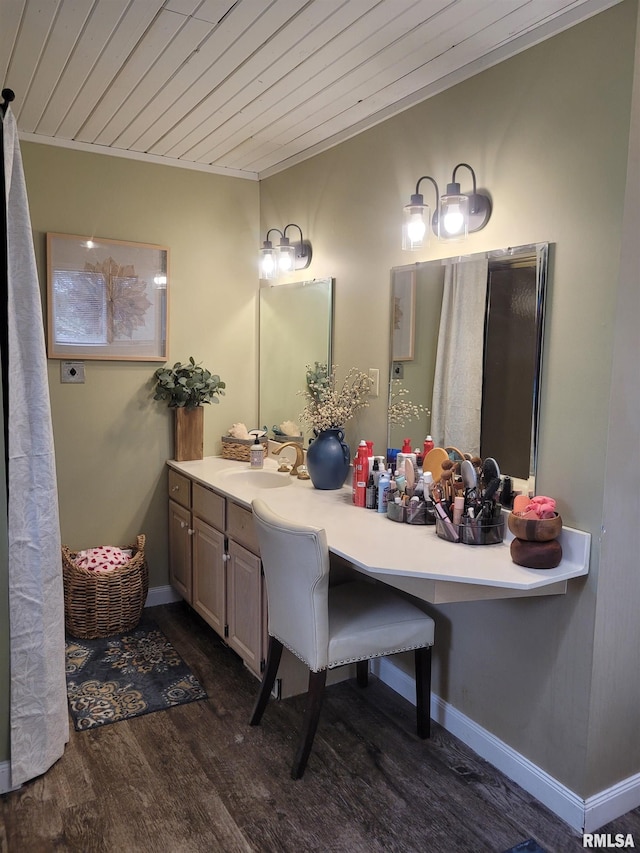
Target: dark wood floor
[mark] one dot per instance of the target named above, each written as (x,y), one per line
(198,778)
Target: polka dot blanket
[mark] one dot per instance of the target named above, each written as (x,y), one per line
(104,558)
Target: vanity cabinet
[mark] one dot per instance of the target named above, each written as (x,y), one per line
(214,564)
(180,532)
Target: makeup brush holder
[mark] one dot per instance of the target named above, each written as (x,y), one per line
(396,512)
(473,531)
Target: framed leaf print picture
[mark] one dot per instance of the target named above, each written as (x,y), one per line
(106,299)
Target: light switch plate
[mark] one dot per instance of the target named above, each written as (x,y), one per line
(374,376)
(72,371)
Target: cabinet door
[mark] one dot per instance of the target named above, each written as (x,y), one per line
(209,587)
(244,605)
(180,549)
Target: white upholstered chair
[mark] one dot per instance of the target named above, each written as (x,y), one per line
(327,627)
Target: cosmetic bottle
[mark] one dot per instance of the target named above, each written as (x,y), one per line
(383,491)
(361,475)
(372,493)
(370,455)
(458,508)
(427,446)
(405,453)
(430,509)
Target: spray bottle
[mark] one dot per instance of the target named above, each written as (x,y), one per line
(361,474)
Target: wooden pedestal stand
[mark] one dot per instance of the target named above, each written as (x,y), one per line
(189,434)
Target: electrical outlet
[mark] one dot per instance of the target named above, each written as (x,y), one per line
(72,371)
(374,376)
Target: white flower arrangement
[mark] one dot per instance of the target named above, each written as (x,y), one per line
(330,406)
(401,410)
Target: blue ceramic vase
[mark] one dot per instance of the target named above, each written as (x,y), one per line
(328,459)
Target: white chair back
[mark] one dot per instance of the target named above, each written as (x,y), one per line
(295,558)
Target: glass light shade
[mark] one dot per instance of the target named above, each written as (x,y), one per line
(268,263)
(416,220)
(453,220)
(286,258)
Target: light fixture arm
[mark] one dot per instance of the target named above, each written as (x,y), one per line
(479,203)
(267,241)
(455,186)
(293,225)
(302,247)
(418,198)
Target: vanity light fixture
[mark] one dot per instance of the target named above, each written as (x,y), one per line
(416,218)
(457,214)
(286,256)
(462,213)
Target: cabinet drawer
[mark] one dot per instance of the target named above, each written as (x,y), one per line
(240,526)
(179,488)
(208,505)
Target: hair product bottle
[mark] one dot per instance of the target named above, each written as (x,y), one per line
(383,491)
(361,474)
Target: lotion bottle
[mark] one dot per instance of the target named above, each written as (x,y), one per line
(256,455)
(383,492)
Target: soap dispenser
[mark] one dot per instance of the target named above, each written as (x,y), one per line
(256,451)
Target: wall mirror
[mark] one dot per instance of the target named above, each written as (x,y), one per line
(295,330)
(466,341)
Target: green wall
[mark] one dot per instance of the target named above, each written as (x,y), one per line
(111,438)
(547,132)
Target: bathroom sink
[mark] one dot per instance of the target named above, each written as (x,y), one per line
(259,477)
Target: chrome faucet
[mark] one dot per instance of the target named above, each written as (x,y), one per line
(299,455)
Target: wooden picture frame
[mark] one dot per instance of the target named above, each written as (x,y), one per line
(106,299)
(403,315)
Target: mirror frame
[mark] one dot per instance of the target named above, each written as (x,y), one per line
(282,290)
(541,251)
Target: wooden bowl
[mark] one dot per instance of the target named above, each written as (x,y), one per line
(536,555)
(535,529)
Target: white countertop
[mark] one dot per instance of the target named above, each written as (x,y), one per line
(409,557)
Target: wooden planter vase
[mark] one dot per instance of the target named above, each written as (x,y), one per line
(189,434)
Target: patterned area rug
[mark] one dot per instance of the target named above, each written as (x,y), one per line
(529,846)
(125,676)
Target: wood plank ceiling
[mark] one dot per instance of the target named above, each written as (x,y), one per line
(248,87)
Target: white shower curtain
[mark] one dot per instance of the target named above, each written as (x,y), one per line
(457,389)
(38,706)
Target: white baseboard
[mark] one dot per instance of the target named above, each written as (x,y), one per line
(582,815)
(161,595)
(608,805)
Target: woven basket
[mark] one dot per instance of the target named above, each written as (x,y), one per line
(100,604)
(239,448)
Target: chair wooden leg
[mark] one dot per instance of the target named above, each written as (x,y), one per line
(317,681)
(362,672)
(274,653)
(423,691)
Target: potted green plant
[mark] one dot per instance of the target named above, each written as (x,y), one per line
(187,388)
